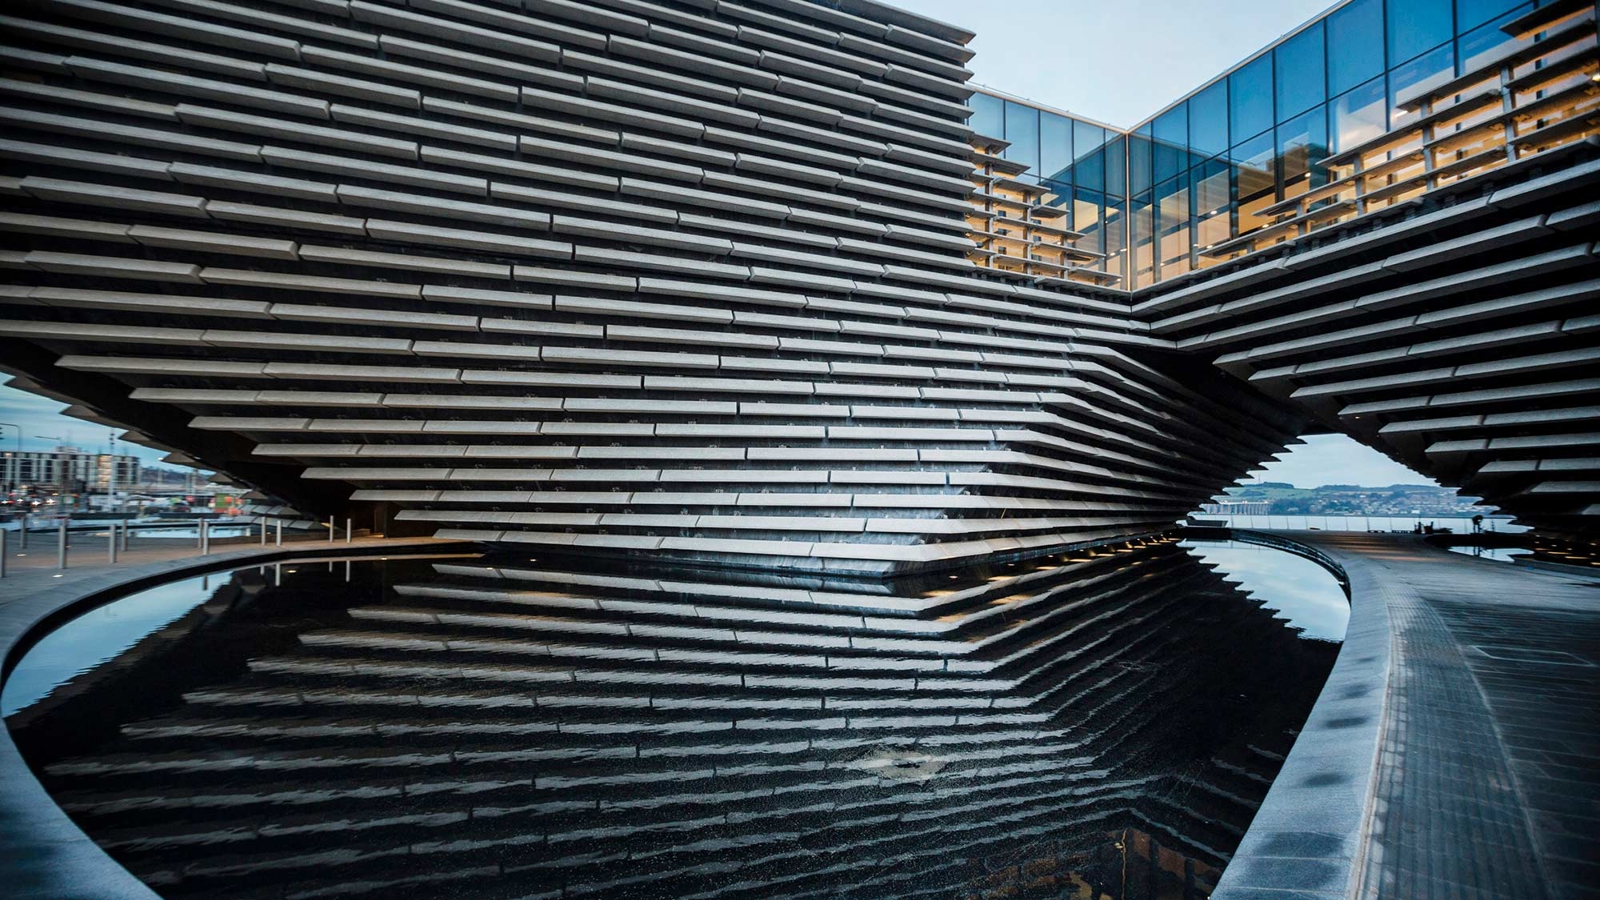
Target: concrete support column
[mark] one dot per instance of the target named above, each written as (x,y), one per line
(61,545)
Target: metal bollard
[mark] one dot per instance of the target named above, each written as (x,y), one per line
(111,545)
(200,535)
(205,537)
(330,529)
(61,545)
(279,530)
(3,553)
(348,533)
(125,532)
(22,543)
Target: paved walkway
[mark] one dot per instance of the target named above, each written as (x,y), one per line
(34,568)
(1486,779)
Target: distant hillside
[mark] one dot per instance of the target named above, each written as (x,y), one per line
(1281,499)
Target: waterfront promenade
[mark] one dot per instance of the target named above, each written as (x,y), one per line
(1453,753)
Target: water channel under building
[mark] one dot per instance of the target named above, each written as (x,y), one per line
(1086,725)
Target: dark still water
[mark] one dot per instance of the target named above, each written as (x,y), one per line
(513,728)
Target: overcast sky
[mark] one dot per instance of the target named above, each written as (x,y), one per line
(1118,61)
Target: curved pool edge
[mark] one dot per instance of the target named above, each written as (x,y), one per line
(1310,837)
(43,853)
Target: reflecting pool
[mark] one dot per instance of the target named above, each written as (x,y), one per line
(1090,725)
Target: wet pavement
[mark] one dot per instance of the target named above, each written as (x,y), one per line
(1487,780)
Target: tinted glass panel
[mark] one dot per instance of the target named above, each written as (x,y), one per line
(1480,45)
(1022,130)
(1250,98)
(1086,138)
(1139,165)
(1302,141)
(1116,168)
(1256,180)
(1300,72)
(1116,233)
(1208,120)
(1055,146)
(1172,127)
(1212,219)
(1408,81)
(1088,217)
(1358,115)
(1415,26)
(1472,13)
(1090,172)
(988,115)
(1355,52)
(1172,139)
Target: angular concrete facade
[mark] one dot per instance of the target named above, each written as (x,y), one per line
(693,278)
(685,277)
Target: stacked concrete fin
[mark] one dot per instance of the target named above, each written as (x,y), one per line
(1456,333)
(684,277)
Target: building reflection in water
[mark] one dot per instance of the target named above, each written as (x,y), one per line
(1082,726)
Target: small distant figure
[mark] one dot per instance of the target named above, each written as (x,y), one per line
(1477,524)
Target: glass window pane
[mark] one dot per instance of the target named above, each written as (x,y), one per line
(1472,13)
(1172,227)
(1256,180)
(1359,115)
(988,115)
(1300,72)
(1250,98)
(1172,127)
(1301,142)
(1022,130)
(1139,165)
(1416,26)
(1116,168)
(1055,146)
(1086,138)
(1355,52)
(1416,77)
(1116,232)
(1481,45)
(1211,206)
(1088,218)
(1208,120)
(1090,171)
(1171,134)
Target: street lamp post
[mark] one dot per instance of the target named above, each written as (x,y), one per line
(61,478)
(111,476)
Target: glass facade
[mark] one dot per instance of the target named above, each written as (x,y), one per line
(1081,164)
(1189,186)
